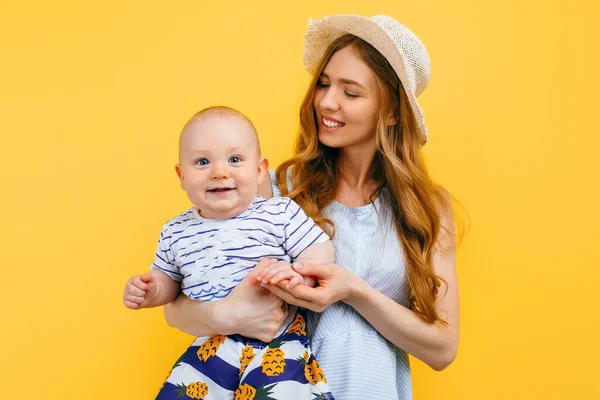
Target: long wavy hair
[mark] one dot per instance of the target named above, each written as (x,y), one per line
(417,203)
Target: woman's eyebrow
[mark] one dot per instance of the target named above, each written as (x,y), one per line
(346,81)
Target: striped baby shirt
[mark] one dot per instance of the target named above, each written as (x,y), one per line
(210,256)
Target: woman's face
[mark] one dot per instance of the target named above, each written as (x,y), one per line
(346,102)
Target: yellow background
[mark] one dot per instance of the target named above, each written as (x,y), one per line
(93,95)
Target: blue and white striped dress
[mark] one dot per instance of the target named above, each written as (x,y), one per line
(358,362)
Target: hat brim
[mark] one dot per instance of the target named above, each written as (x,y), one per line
(323,32)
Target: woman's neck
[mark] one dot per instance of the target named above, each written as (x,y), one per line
(357,181)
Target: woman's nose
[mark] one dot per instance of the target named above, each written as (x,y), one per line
(329,101)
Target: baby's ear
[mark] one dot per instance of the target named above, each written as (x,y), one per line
(263,167)
(179,174)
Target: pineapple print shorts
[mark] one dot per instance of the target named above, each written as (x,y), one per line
(235,367)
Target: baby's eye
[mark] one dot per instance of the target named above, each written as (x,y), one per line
(235,159)
(203,161)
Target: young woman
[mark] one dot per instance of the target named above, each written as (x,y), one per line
(358,171)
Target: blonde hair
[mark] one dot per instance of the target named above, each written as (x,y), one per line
(417,203)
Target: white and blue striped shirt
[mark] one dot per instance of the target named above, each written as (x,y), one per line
(210,256)
(358,362)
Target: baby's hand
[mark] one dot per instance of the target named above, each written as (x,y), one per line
(282,274)
(140,290)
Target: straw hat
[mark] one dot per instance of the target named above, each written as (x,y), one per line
(398,44)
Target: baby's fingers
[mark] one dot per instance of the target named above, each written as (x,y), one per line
(138,283)
(132,301)
(281,275)
(267,276)
(135,291)
(131,305)
(295,281)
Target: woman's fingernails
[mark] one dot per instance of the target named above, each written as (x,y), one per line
(297,266)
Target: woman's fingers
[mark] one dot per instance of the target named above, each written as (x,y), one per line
(290,298)
(309,269)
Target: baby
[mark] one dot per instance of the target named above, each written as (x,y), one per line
(206,251)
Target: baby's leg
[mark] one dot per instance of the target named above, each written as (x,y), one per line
(284,369)
(209,370)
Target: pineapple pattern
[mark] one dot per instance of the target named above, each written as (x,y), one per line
(273,360)
(195,390)
(298,326)
(260,366)
(247,392)
(210,346)
(177,364)
(247,356)
(312,371)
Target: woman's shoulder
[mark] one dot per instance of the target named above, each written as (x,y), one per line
(274,187)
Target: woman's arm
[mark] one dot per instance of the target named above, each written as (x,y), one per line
(433,343)
(249,310)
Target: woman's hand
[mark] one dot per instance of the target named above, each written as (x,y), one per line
(249,310)
(335,284)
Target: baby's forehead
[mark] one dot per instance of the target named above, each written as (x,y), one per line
(225,127)
(221,124)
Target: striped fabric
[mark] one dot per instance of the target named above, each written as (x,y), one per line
(357,361)
(210,256)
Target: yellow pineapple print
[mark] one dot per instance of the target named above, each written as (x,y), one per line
(195,390)
(247,392)
(244,392)
(177,363)
(273,360)
(298,326)
(210,346)
(247,356)
(312,371)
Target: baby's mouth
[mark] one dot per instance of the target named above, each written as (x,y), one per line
(220,190)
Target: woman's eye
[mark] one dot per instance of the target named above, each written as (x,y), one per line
(322,84)
(351,95)
(235,159)
(203,161)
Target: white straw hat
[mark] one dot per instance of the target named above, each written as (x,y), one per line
(398,44)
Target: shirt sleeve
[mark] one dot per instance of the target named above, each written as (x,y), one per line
(300,231)
(164,258)
(276,191)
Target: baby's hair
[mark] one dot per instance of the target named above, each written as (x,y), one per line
(221,112)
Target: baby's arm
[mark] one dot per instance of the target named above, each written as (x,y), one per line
(154,288)
(282,273)
(321,253)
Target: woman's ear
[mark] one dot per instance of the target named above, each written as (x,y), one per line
(391,119)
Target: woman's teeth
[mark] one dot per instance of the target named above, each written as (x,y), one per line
(332,124)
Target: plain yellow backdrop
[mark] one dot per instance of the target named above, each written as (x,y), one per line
(92,98)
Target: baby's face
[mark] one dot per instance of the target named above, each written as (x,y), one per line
(220,166)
